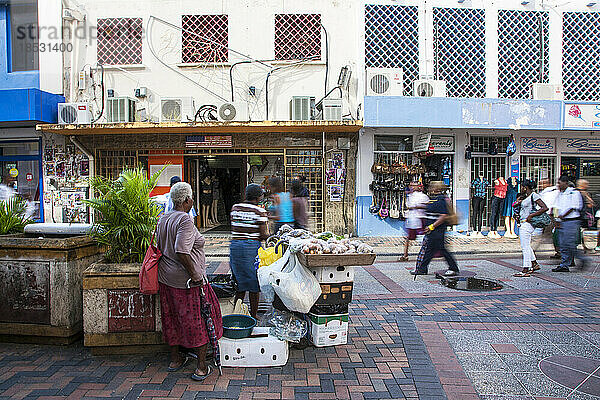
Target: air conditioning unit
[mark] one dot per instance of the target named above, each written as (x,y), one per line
(547,91)
(120,109)
(74,113)
(177,109)
(385,82)
(302,108)
(235,111)
(429,88)
(332,110)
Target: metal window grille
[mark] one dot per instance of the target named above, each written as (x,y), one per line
(540,169)
(492,168)
(481,144)
(204,38)
(459,50)
(110,163)
(523,56)
(392,40)
(581,52)
(119,41)
(297,36)
(309,163)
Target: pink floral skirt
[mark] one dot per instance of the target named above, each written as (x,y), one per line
(182,322)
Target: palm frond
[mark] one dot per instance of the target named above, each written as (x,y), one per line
(127,213)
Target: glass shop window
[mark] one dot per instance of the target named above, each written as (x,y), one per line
(394,143)
(24,36)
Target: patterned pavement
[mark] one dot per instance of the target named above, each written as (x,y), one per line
(407,340)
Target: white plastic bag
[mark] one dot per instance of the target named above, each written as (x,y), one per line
(295,285)
(264,280)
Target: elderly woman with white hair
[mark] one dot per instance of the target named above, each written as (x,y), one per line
(181,274)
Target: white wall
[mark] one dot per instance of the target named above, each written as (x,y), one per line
(251,32)
(51,65)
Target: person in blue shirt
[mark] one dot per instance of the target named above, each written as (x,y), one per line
(170,206)
(435,216)
(283,211)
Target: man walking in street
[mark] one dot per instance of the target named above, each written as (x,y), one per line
(568,207)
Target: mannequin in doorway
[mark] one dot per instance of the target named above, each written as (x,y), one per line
(206,199)
(500,187)
(479,187)
(511,196)
(216,195)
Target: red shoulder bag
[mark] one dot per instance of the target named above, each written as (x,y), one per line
(149,271)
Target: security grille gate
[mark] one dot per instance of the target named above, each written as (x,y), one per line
(523,52)
(540,169)
(120,41)
(308,163)
(297,36)
(581,52)
(459,50)
(392,40)
(110,163)
(204,38)
(492,167)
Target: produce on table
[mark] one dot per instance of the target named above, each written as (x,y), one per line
(334,246)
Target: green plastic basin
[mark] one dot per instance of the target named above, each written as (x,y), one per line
(238,326)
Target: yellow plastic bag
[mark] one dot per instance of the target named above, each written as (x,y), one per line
(268,256)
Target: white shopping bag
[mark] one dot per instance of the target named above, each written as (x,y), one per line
(264,280)
(295,285)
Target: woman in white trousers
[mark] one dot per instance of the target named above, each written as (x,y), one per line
(531,205)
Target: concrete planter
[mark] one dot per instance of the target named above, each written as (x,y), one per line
(116,316)
(41,287)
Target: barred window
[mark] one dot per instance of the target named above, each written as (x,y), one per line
(297,36)
(523,45)
(459,46)
(581,52)
(119,41)
(204,38)
(392,40)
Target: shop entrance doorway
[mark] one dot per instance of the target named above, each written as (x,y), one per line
(492,168)
(540,169)
(587,168)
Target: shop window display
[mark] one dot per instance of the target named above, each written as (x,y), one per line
(395,166)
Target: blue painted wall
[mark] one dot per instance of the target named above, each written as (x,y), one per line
(23,105)
(442,112)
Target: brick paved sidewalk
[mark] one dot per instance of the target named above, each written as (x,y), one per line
(407,340)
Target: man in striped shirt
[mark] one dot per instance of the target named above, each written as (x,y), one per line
(248,229)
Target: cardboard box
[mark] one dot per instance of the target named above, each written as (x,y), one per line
(335,293)
(333,274)
(254,352)
(328,330)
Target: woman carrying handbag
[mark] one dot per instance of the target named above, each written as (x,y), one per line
(532,215)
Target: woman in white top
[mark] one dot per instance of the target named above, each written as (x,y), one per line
(531,205)
(416,202)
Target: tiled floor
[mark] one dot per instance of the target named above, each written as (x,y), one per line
(407,339)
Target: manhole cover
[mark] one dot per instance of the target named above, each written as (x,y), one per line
(471,284)
(578,373)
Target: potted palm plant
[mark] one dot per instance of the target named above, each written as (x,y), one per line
(115,312)
(40,278)
(13,215)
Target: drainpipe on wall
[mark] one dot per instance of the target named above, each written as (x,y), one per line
(92,167)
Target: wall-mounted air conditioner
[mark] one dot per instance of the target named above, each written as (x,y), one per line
(332,110)
(235,111)
(74,113)
(120,109)
(546,91)
(302,108)
(385,82)
(177,109)
(429,88)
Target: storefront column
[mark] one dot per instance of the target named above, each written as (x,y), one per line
(462,172)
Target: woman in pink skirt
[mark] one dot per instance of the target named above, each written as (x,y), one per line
(181,273)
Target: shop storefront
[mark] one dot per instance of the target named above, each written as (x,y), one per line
(580,159)
(21,172)
(233,155)
(400,157)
